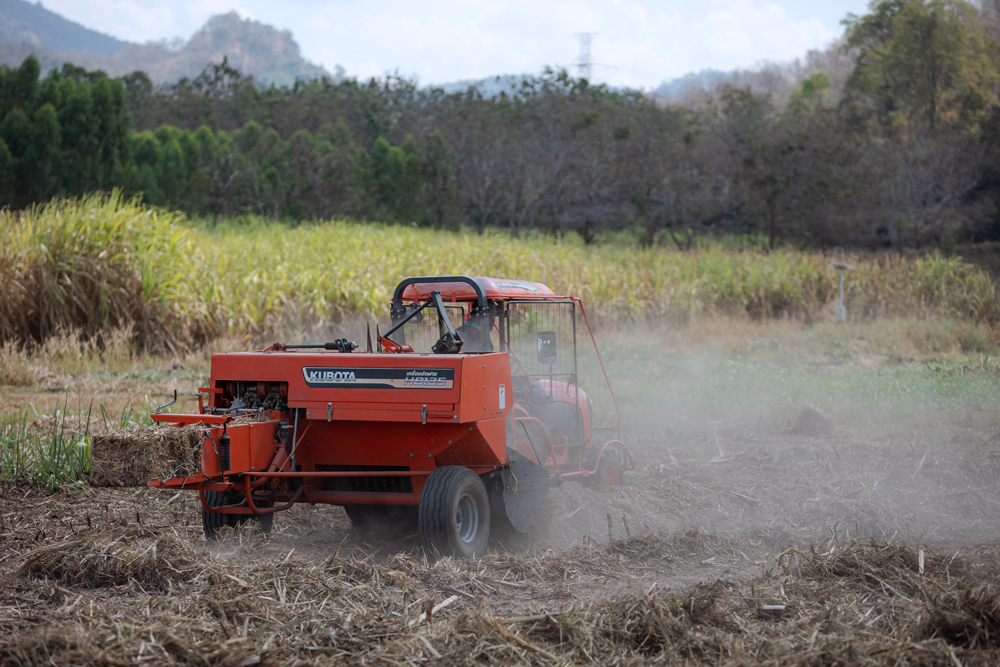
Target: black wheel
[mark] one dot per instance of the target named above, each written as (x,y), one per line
(212,522)
(381,517)
(503,534)
(358,514)
(454,513)
(609,472)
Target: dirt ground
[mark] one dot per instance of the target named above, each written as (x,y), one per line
(124,576)
(830,511)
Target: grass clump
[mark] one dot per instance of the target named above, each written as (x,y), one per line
(90,265)
(15,371)
(51,451)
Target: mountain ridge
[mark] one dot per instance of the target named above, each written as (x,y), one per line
(270,55)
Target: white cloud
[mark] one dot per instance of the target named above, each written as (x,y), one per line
(638,42)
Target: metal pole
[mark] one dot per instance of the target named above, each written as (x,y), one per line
(842,313)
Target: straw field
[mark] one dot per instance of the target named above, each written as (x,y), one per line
(692,564)
(100,263)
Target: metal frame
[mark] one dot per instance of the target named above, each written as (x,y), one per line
(536,302)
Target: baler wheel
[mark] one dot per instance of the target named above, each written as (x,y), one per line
(358,515)
(385,518)
(212,522)
(454,513)
(609,472)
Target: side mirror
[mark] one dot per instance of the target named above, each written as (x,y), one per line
(547,347)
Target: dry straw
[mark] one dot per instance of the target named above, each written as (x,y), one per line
(858,602)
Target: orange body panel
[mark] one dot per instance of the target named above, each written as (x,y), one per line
(288,367)
(430,411)
(485,383)
(251,448)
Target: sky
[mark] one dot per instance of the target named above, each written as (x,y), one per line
(637,43)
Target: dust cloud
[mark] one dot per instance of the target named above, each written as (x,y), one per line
(756,440)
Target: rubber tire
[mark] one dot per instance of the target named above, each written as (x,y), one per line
(212,522)
(358,514)
(503,534)
(439,510)
(380,518)
(609,460)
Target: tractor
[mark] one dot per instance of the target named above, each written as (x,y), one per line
(463,414)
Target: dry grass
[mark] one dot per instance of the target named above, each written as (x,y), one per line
(154,561)
(870,607)
(15,371)
(969,618)
(95,264)
(101,263)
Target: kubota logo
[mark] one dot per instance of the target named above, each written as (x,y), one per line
(379,378)
(331,376)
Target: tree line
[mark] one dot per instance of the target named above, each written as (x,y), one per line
(907,155)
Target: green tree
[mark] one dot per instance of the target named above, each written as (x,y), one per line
(145,169)
(927,60)
(113,128)
(391,176)
(40,164)
(172,174)
(66,133)
(19,87)
(7,174)
(80,142)
(437,172)
(15,130)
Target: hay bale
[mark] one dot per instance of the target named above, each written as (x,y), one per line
(114,560)
(137,454)
(812,421)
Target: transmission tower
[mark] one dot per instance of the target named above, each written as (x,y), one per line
(584,65)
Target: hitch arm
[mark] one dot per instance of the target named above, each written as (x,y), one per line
(450,341)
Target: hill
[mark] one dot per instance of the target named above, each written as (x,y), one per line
(270,55)
(775,81)
(24,23)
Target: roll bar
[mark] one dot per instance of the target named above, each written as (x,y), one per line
(398,309)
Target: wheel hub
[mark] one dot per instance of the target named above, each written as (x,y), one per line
(467,518)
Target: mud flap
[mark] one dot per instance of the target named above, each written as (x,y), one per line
(524,486)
